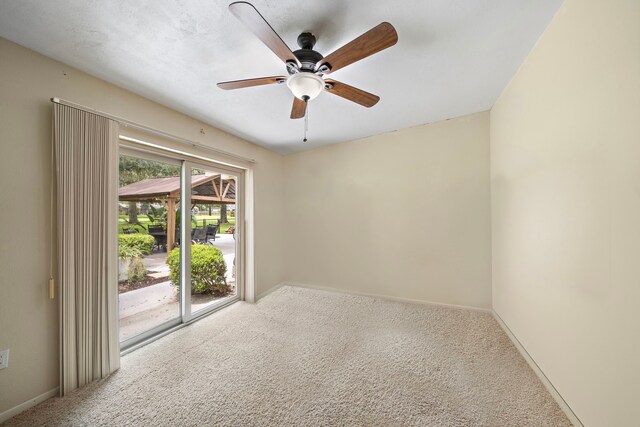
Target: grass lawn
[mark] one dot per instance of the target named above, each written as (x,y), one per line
(200,220)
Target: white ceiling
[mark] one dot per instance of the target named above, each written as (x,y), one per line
(452,57)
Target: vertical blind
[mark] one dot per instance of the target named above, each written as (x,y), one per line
(86,155)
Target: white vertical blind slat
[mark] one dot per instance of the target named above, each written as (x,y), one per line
(86,147)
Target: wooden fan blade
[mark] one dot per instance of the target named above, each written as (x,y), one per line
(238,84)
(376,39)
(351,93)
(250,17)
(298,109)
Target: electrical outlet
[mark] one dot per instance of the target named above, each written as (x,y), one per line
(4,359)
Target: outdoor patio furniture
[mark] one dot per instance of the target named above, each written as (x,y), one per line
(160,236)
(212,230)
(193,232)
(199,235)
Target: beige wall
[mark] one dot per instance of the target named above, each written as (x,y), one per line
(28,320)
(565,180)
(404,214)
(410,214)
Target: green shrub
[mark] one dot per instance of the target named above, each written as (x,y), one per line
(128,252)
(142,242)
(208,270)
(136,270)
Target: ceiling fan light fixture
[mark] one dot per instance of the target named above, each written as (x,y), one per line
(305,85)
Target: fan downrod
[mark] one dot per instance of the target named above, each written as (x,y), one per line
(306,40)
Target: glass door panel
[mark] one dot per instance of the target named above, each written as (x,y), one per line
(149,273)
(213,238)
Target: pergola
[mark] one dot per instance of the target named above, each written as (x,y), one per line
(209,189)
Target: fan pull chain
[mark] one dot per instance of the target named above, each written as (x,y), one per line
(306,124)
(306,117)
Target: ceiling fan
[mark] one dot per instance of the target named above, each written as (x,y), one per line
(306,67)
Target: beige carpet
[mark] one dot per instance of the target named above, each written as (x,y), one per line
(303,357)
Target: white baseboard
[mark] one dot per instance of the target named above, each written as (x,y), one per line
(270,290)
(380,296)
(10,413)
(548,385)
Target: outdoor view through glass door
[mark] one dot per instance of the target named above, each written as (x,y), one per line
(150,243)
(149,191)
(213,248)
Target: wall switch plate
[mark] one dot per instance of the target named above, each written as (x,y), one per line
(4,359)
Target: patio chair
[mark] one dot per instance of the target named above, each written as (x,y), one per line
(212,230)
(159,234)
(199,235)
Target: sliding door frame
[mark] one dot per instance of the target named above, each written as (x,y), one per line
(185,230)
(187,163)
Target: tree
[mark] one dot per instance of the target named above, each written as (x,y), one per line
(133,212)
(133,169)
(223,214)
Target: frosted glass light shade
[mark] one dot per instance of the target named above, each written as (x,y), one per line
(305,84)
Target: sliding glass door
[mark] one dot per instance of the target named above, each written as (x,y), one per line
(178,237)
(148,297)
(213,237)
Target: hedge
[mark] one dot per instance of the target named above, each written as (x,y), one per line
(142,242)
(208,270)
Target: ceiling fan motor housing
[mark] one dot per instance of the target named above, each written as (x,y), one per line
(306,55)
